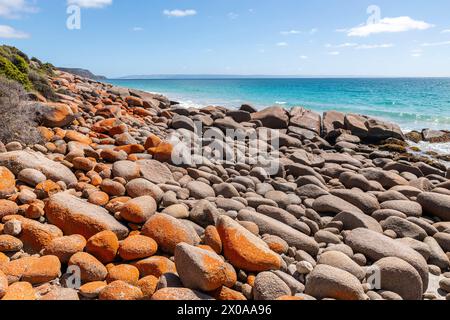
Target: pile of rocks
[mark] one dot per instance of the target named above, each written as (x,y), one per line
(100,211)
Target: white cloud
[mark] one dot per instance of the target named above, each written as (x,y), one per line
(282,44)
(435,44)
(303,57)
(138,29)
(13,8)
(7,32)
(290,32)
(233,15)
(177,13)
(389,25)
(416,55)
(342,45)
(445,31)
(375,46)
(89,4)
(334,53)
(313,31)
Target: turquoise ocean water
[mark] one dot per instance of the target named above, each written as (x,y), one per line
(411,103)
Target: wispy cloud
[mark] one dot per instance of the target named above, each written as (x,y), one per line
(282,44)
(389,25)
(313,31)
(232,15)
(435,44)
(91,4)
(334,53)
(138,29)
(342,45)
(290,32)
(374,46)
(177,13)
(303,57)
(7,32)
(12,9)
(445,31)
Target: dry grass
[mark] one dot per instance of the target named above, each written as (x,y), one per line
(18,116)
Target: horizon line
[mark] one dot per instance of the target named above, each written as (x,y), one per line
(266,76)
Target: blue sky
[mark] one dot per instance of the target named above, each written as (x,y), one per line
(270,37)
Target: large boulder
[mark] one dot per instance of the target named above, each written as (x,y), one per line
(243,249)
(435,204)
(16,161)
(273,117)
(356,124)
(57,115)
(268,286)
(333,204)
(306,119)
(398,276)
(75,216)
(7,182)
(332,120)
(200,269)
(274,227)
(329,282)
(376,246)
(355,220)
(382,130)
(168,232)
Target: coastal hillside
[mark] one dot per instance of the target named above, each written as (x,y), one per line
(82,73)
(124,195)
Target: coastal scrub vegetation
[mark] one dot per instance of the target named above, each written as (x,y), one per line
(30,73)
(19,117)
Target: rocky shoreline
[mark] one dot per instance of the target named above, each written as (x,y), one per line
(101,210)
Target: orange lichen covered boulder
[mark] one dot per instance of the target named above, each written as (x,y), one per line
(148,286)
(8,208)
(98,198)
(138,210)
(72,135)
(90,268)
(65,247)
(120,290)
(4,284)
(168,231)
(152,141)
(163,152)
(104,246)
(104,126)
(46,189)
(20,291)
(32,269)
(57,115)
(212,239)
(290,298)
(75,216)
(9,243)
(200,269)
(179,294)
(245,250)
(137,247)
(91,290)
(123,272)
(227,294)
(131,148)
(35,235)
(155,266)
(7,182)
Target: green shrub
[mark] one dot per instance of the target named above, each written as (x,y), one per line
(10,71)
(21,64)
